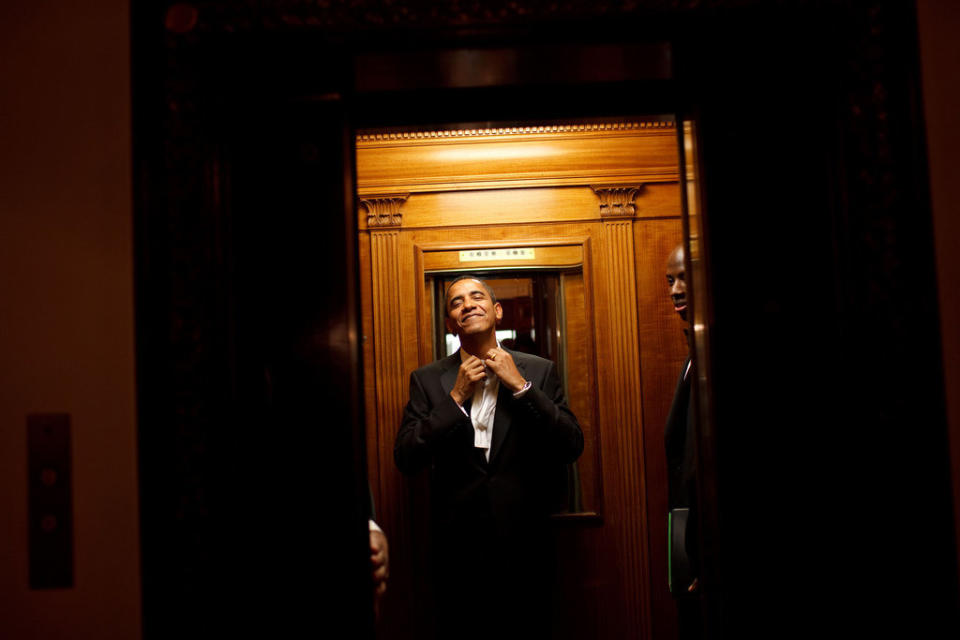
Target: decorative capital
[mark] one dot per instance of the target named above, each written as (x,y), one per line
(617,202)
(384,211)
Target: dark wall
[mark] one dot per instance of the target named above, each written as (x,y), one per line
(832,464)
(940,55)
(66,309)
(252,460)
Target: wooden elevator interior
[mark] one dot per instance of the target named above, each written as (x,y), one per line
(600,204)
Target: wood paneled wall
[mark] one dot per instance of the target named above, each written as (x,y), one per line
(605,197)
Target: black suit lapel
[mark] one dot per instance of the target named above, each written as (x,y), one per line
(677,440)
(448,377)
(679,397)
(503,415)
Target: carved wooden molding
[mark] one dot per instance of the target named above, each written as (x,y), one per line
(386,136)
(612,155)
(617,202)
(384,211)
(338,16)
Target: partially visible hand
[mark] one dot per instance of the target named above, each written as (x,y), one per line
(471,371)
(502,364)
(379,561)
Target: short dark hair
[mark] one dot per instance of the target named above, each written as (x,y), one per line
(467,276)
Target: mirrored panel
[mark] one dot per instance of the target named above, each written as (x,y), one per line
(544,314)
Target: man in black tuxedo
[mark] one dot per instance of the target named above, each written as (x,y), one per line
(681,474)
(495,430)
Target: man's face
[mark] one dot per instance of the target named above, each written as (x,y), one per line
(470,309)
(676,279)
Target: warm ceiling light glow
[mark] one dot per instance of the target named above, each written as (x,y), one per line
(487,153)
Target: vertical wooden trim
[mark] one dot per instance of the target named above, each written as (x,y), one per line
(369,370)
(388,357)
(618,328)
(424,311)
(590,300)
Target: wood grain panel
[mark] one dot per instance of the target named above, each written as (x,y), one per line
(369,368)
(580,378)
(523,206)
(498,161)
(663,349)
(658,200)
(425,306)
(506,206)
(620,381)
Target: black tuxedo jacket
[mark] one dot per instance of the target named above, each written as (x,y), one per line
(679,438)
(679,441)
(533,438)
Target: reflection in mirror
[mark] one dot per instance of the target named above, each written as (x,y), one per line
(534,321)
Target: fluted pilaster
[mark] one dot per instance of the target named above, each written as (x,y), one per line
(388,341)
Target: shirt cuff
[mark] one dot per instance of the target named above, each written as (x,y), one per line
(523,390)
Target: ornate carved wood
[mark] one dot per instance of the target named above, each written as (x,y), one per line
(384,211)
(617,202)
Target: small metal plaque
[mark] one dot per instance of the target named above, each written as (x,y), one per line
(482,255)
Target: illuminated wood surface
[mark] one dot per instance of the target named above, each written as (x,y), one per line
(525,157)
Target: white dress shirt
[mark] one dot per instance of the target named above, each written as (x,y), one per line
(482,411)
(483,407)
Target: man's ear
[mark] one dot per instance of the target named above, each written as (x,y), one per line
(498,310)
(451,325)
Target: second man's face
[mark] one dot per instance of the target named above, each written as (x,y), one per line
(470,309)
(677,281)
